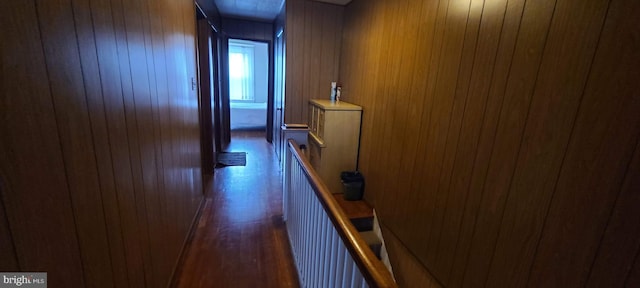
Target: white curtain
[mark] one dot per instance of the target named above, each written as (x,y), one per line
(241,83)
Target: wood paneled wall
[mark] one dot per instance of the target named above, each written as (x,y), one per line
(100,152)
(247,29)
(313,42)
(500,138)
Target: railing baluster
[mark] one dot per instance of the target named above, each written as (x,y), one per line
(342,251)
(323,241)
(356,277)
(333,255)
(326,241)
(348,269)
(315,240)
(308,236)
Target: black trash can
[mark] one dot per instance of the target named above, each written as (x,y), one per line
(352,185)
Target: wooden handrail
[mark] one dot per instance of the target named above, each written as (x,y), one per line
(375,273)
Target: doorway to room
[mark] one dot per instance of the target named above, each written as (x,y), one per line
(248,84)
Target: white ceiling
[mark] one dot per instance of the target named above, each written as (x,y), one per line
(265,10)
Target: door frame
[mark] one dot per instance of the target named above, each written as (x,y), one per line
(208,90)
(279,91)
(226,111)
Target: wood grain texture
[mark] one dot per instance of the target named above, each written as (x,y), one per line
(621,238)
(569,51)
(506,142)
(41,208)
(487,130)
(597,160)
(313,37)
(494,142)
(127,161)
(90,103)
(105,122)
(72,118)
(240,239)
(478,89)
(633,279)
(353,209)
(7,249)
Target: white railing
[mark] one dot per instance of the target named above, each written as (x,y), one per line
(327,249)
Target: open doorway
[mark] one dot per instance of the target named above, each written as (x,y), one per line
(248,84)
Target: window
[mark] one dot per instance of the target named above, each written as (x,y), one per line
(241,83)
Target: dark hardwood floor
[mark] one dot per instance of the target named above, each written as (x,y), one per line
(240,239)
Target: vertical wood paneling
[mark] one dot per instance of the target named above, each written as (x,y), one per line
(424,52)
(506,142)
(622,236)
(306,53)
(599,154)
(294,14)
(92,86)
(151,155)
(435,126)
(37,208)
(406,115)
(381,102)
(493,14)
(487,130)
(569,51)
(463,44)
(362,29)
(141,143)
(195,187)
(162,136)
(68,95)
(129,155)
(398,35)
(633,280)
(7,249)
(494,140)
(172,111)
(427,81)
(101,156)
(105,120)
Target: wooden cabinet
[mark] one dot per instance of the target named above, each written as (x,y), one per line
(334,133)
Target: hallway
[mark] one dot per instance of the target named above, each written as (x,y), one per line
(240,239)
